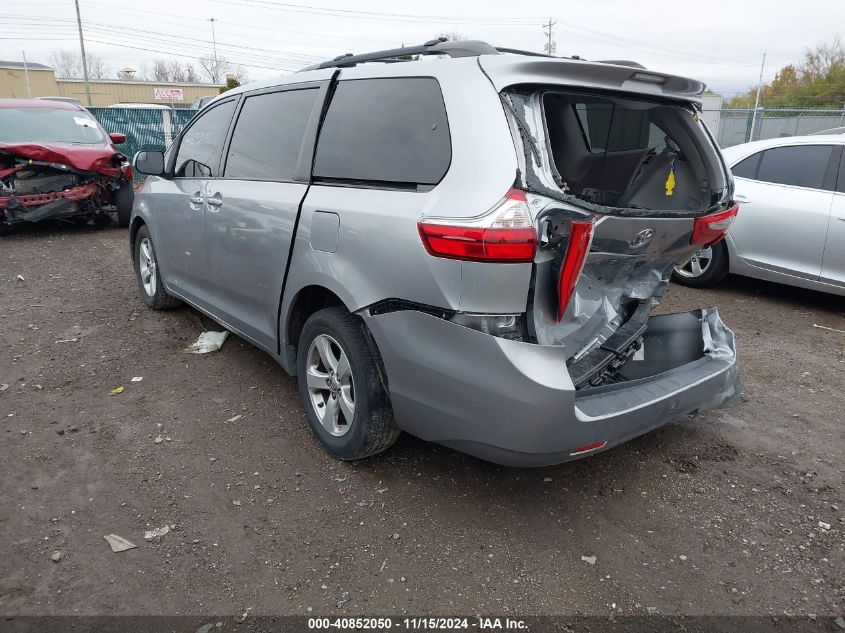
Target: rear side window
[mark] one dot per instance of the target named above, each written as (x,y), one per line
(800,165)
(747,168)
(202,145)
(268,135)
(611,128)
(385,131)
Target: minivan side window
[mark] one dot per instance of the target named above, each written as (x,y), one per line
(391,130)
(797,165)
(202,144)
(268,135)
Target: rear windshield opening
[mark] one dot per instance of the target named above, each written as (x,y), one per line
(631,154)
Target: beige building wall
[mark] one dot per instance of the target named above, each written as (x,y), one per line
(43,83)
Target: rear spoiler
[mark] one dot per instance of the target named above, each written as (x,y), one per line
(509,70)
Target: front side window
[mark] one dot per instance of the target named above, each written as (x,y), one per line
(268,135)
(798,165)
(202,144)
(387,131)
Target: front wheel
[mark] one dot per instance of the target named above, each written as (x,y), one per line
(707,267)
(340,386)
(146,270)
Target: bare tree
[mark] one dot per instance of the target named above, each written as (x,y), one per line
(453,36)
(67,64)
(214,69)
(160,70)
(242,74)
(190,73)
(97,67)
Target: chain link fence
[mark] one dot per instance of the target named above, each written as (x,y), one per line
(145,128)
(735,126)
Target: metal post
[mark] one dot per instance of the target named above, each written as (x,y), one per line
(550,46)
(26,74)
(757,99)
(84,59)
(213,38)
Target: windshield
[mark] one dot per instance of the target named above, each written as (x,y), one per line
(47,125)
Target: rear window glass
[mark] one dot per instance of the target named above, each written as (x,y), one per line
(800,165)
(268,135)
(385,130)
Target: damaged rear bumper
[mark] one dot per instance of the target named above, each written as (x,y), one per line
(514,403)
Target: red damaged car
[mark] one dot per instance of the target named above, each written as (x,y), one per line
(56,162)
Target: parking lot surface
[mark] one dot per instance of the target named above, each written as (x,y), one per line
(740,511)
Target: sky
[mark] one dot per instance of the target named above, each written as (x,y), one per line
(720,42)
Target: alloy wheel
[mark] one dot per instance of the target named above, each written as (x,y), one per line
(331,389)
(147,266)
(696,265)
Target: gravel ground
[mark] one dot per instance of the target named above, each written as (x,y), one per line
(741,511)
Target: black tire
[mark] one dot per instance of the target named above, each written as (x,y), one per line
(158,299)
(5,229)
(372,429)
(715,272)
(123,199)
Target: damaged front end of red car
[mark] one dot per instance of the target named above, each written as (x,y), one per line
(40,182)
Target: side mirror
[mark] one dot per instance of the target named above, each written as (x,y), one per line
(149,162)
(117,138)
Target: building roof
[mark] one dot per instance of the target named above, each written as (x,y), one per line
(29,65)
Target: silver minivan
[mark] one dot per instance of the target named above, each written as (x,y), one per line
(466,246)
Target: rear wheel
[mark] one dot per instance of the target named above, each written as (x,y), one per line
(340,386)
(705,268)
(146,270)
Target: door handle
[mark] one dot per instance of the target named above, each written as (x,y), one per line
(214,201)
(197,198)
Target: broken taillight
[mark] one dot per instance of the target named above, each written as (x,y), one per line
(709,229)
(580,236)
(505,234)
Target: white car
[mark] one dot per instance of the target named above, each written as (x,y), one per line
(791,223)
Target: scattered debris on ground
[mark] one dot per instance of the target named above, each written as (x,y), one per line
(208,342)
(118,543)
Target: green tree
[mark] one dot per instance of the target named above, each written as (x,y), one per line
(818,81)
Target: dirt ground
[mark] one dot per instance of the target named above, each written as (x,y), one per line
(741,511)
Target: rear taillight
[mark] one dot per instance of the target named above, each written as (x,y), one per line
(505,234)
(709,229)
(580,236)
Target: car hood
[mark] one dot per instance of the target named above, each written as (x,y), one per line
(99,158)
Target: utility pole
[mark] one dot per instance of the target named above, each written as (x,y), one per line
(757,99)
(213,38)
(550,46)
(82,50)
(26,74)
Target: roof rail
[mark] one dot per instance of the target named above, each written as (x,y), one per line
(519,51)
(439,46)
